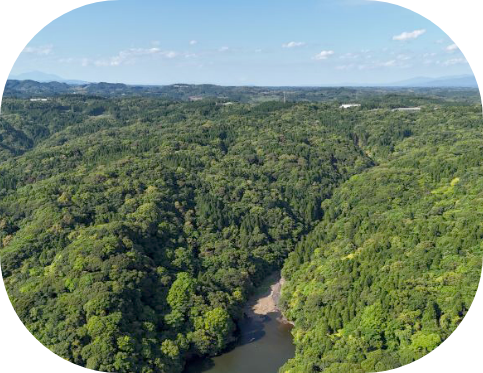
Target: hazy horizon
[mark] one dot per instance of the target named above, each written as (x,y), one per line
(73,81)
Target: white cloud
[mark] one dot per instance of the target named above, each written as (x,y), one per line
(193,42)
(170,54)
(389,63)
(42,50)
(129,56)
(349,56)
(66,60)
(323,55)
(409,35)
(451,48)
(224,49)
(454,61)
(294,44)
(403,57)
(394,63)
(346,67)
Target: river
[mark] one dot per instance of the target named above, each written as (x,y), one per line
(265,341)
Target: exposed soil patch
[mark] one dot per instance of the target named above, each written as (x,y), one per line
(267,300)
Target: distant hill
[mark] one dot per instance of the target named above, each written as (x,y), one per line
(458,81)
(42,77)
(31,88)
(462,81)
(246,94)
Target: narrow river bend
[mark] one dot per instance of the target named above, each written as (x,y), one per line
(265,341)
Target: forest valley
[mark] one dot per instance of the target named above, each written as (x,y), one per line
(133,228)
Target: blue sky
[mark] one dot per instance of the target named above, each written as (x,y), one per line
(264,42)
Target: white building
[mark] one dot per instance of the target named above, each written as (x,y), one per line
(347,106)
(407,109)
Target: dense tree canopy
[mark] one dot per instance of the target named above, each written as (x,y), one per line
(393,266)
(133,229)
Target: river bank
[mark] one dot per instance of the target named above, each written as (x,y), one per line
(267,301)
(265,340)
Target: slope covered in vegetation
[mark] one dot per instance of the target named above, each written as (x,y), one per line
(132,230)
(131,239)
(393,266)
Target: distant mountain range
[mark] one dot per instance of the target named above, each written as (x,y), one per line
(225,94)
(460,81)
(42,77)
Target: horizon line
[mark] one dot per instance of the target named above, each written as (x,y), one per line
(342,85)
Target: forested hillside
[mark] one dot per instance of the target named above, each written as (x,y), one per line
(377,97)
(131,238)
(133,229)
(392,268)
